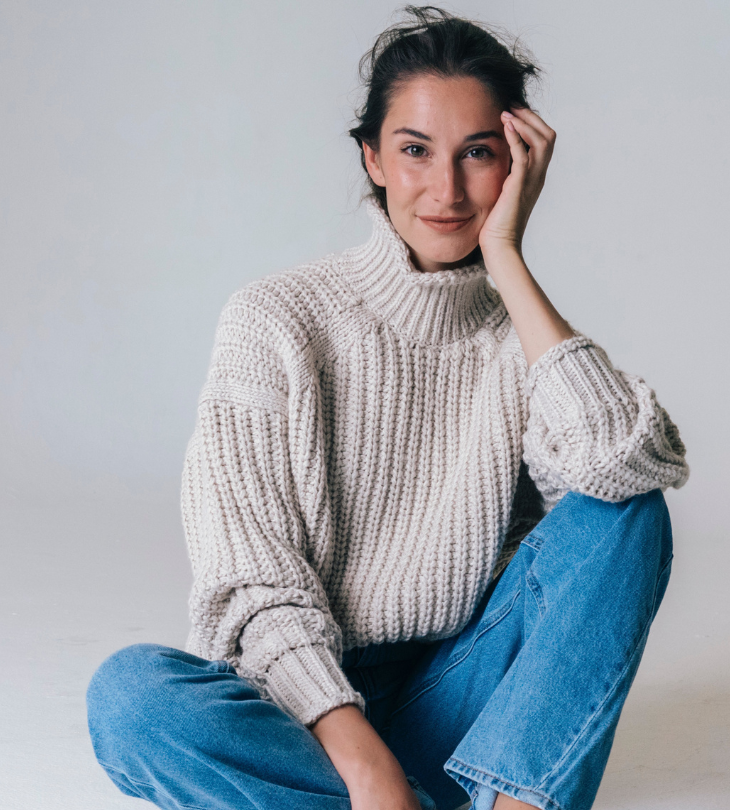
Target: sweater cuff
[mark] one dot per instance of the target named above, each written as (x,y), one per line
(595,429)
(307,682)
(580,397)
(553,356)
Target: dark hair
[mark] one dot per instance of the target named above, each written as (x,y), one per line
(440,44)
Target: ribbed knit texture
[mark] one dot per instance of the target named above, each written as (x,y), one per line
(371,447)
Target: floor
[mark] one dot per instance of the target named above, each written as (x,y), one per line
(85,573)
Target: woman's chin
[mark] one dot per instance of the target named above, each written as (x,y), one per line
(453,254)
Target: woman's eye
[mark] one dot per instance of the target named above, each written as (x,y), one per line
(412,146)
(486,153)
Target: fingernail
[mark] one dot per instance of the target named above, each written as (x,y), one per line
(507,114)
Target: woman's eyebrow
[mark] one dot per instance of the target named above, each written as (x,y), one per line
(477,136)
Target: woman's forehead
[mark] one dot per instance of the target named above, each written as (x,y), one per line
(442,103)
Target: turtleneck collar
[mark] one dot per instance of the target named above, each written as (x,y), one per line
(435,308)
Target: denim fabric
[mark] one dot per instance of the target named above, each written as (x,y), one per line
(523,701)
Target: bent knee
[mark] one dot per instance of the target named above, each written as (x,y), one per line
(638,526)
(123,669)
(641,523)
(651,513)
(122,681)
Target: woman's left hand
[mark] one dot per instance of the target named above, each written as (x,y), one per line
(506,223)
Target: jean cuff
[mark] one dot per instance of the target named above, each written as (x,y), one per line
(484,787)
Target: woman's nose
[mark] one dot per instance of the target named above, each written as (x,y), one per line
(446,184)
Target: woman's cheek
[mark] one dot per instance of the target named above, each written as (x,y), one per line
(496,183)
(410,176)
(487,190)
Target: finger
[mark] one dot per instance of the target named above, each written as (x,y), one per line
(517,148)
(535,121)
(530,135)
(531,117)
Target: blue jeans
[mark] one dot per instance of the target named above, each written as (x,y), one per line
(523,701)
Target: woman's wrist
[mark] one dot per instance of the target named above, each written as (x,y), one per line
(538,324)
(499,254)
(356,750)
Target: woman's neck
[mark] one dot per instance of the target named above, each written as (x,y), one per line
(429,266)
(433,308)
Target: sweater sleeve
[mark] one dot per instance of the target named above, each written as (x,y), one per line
(595,429)
(257,531)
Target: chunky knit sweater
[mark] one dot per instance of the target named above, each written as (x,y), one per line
(371,447)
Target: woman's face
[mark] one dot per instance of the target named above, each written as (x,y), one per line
(442,153)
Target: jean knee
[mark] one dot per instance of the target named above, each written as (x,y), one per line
(648,517)
(636,529)
(116,693)
(123,670)
(648,538)
(648,546)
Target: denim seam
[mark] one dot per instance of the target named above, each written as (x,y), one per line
(534,546)
(501,613)
(533,585)
(637,647)
(468,770)
(147,785)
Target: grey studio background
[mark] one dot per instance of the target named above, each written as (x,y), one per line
(157,155)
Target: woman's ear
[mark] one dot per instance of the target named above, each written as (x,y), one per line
(372,164)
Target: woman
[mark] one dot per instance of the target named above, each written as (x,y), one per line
(425,515)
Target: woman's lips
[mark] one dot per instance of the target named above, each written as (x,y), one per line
(445,225)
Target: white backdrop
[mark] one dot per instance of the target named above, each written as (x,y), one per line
(155,155)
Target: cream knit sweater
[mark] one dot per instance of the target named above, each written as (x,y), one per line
(353,473)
